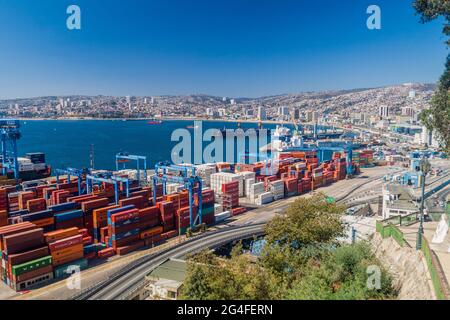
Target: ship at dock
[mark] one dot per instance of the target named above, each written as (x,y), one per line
(31,167)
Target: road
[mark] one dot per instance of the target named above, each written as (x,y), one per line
(126,280)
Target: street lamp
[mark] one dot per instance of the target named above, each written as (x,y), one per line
(424,169)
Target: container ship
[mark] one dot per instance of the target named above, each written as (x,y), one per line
(31,167)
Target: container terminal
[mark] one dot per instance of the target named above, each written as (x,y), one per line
(78,217)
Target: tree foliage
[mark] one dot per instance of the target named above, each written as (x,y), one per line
(302,259)
(438,116)
(307,221)
(212,278)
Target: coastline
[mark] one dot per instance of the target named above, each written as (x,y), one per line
(148,119)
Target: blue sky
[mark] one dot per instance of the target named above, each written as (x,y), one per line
(239,48)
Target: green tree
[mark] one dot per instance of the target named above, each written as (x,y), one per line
(212,278)
(307,221)
(438,116)
(342,275)
(302,259)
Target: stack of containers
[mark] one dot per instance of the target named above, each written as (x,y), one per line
(69,219)
(25,259)
(277,189)
(317,178)
(59,196)
(204,171)
(207,206)
(35,205)
(341,169)
(4,191)
(290,187)
(43,219)
(218,179)
(88,208)
(230,195)
(264,198)
(248,186)
(256,190)
(124,230)
(167,214)
(3,218)
(138,201)
(182,219)
(268,180)
(24,196)
(100,220)
(248,179)
(67,248)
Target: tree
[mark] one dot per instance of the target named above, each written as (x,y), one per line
(342,275)
(302,259)
(438,116)
(307,221)
(212,278)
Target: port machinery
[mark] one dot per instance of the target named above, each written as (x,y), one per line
(10,133)
(69,172)
(184,175)
(124,157)
(109,178)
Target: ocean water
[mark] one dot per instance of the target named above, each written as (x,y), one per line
(67,143)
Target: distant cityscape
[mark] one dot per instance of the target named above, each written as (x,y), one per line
(392,108)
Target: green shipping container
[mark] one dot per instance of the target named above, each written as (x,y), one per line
(67,269)
(207,211)
(31,265)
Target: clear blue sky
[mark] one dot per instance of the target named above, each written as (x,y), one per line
(220,47)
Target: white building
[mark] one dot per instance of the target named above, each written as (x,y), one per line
(283,111)
(383,111)
(262,113)
(397,201)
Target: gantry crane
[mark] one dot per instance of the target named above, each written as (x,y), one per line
(108,177)
(79,173)
(185,175)
(123,157)
(10,133)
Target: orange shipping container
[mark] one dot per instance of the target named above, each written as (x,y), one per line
(44,222)
(100,216)
(60,234)
(64,260)
(67,251)
(151,232)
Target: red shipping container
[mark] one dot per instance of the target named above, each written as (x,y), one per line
(88,206)
(65,243)
(124,215)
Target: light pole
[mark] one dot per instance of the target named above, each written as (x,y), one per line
(424,168)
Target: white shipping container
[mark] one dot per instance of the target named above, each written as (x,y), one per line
(264,198)
(217,179)
(222,216)
(218,208)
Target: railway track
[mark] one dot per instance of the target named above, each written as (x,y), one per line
(123,282)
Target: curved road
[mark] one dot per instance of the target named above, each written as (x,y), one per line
(129,278)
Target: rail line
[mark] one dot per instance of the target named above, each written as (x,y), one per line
(129,277)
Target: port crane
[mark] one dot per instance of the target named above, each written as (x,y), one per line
(185,175)
(109,178)
(10,133)
(123,157)
(79,173)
